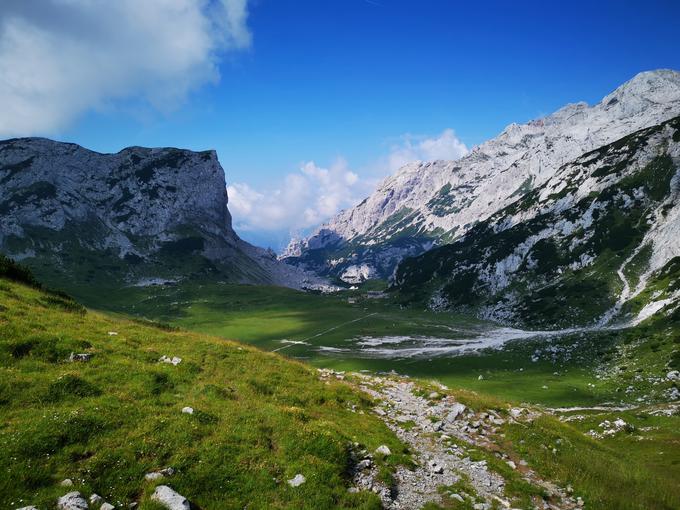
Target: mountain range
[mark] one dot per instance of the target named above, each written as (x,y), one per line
(430,204)
(140,216)
(568,220)
(598,243)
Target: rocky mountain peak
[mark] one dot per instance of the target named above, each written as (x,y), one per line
(140,215)
(437,202)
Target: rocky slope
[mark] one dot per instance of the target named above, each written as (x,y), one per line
(142,215)
(597,243)
(426,204)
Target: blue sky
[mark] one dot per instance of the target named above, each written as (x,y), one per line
(343,84)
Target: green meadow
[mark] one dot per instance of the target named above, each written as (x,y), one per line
(270,317)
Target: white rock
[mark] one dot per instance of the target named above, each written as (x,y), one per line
(66,483)
(188,410)
(107,506)
(511,464)
(364,464)
(297,480)
(28,508)
(673,375)
(113,333)
(96,499)
(72,501)
(456,412)
(172,361)
(383,450)
(170,499)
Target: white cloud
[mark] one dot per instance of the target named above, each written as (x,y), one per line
(302,200)
(445,146)
(314,194)
(62,58)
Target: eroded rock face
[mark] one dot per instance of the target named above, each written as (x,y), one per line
(146,216)
(547,259)
(426,204)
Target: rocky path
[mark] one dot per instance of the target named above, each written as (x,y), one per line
(439,431)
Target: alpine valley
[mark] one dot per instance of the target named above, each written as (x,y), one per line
(498,331)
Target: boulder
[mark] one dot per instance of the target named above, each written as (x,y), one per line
(456,412)
(188,410)
(170,499)
(96,499)
(72,501)
(383,450)
(66,483)
(107,506)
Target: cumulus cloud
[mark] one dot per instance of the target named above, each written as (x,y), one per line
(302,200)
(312,195)
(61,58)
(445,146)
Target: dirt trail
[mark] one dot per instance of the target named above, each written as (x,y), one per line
(440,432)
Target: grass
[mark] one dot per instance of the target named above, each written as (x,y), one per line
(628,471)
(259,419)
(264,316)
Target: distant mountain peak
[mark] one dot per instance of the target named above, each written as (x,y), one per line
(426,203)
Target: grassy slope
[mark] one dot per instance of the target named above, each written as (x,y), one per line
(259,419)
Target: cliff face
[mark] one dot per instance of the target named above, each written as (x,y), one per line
(139,216)
(428,204)
(598,243)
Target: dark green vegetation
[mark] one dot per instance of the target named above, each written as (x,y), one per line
(552,286)
(259,419)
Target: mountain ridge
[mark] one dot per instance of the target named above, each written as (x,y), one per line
(432,203)
(596,243)
(143,215)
